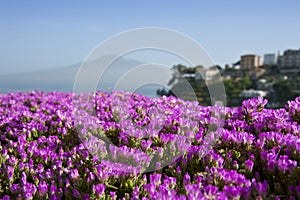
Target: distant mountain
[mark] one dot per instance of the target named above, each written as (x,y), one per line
(63,79)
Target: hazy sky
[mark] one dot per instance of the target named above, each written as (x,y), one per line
(46,34)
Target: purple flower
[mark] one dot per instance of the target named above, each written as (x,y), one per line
(99,189)
(42,188)
(222,196)
(49,174)
(285,164)
(10,172)
(29,190)
(47,139)
(186,179)
(249,165)
(193,191)
(261,188)
(271,165)
(74,174)
(76,193)
(232,191)
(53,189)
(23,178)
(235,164)
(150,188)
(211,191)
(12,160)
(55,197)
(113,195)
(86,196)
(135,193)
(5,197)
(15,188)
(297,189)
(155,179)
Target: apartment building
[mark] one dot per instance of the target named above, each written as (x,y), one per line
(270,59)
(290,61)
(250,61)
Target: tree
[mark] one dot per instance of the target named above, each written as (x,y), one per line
(178,71)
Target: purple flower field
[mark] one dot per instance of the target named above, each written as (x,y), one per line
(128,146)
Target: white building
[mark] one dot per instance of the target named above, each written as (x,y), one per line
(206,74)
(253,93)
(270,59)
(290,61)
(188,75)
(262,84)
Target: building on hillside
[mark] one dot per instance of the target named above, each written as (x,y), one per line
(206,74)
(253,93)
(256,73)
(263,84)
(289,61)
(270,59)
(232,74)
(250,61)
(188,75)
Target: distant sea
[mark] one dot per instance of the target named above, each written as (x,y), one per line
(149,90)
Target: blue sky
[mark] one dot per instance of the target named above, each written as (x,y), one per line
(37,35)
